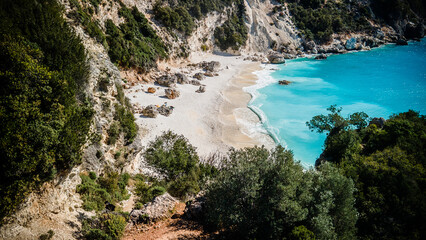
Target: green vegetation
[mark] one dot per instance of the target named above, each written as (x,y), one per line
(261,194)
(319,19)
(387,164)
(127,122)
(177,159)
(47,236)
(108,226)
(147,192)
(95,192)
(134,43)
(84,16)
(233,32)
(44,125)
(177,18)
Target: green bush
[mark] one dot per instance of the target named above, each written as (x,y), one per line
(104,227)
(134,44)
(147,193)
(42,70)
(113,133)
(177,159)
(177,18)
(127,123)
(95,192)
(232,34)
(261,194)
(387,165)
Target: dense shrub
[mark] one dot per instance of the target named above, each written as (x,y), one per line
(104,227)
(388,166)
(96,191)
(147,193)
(261,194)
(127,122)
(177,18)
(318,19)
(134,43)
(177,159)
(232,34)
(42,70)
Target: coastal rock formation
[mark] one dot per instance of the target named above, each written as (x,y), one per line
(276,58)
(199,76)
(160,208)
(351,44)
(401,42)
(321,57)
(284,82)
(150,111)
(151,90)
(167,80)
(212,66)
(208,74)
(171,93)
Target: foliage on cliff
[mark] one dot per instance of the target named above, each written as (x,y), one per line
(319,19)
(42,70)
(261,194)
(387,164)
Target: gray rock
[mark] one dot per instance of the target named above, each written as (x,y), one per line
(194,210)
(321,57)
(150,111)
(212,66)
(165,110)
(201,89)
(208,74)
(401,42)
(310,46)
(351,44)
(171,93)
(181,78)
(167,80)
(158,209)
(284,82)
(195,83)
(199,76)
(276,58)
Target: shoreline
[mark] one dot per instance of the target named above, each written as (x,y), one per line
(213,121)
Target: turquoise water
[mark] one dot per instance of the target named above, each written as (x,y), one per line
(380,82)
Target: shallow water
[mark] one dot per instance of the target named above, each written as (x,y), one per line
(380,82)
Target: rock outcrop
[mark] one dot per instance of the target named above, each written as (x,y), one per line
(181,78)
(199,76)
(284,82)
(379,122)
(194,209)
(276,58)
(158,209)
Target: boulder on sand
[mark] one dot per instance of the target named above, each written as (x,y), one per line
(150,111)
(151,90)
(201,89)
(276,58)
(165,110)
(199,76)
(181,78)
(167,80)
(171,93)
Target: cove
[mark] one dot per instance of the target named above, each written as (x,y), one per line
(380,82)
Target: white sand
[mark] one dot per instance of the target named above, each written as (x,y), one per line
(212,121)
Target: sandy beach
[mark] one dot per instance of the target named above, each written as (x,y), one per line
(212,121)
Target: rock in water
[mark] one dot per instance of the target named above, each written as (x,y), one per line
(151,90)
(171,93)
(276,58)
(160,208)
(150,111)
(351,44)
(284,82)
(401,42)
(321,57)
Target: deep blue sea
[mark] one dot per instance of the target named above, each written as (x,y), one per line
(380,82)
